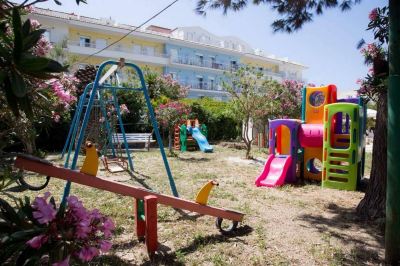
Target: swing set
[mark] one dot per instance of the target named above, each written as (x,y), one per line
(146,201)
(98,118)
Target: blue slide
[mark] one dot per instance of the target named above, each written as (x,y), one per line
(201,140)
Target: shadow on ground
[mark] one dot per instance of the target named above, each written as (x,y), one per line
(140,178)
(193,159)
(344,220)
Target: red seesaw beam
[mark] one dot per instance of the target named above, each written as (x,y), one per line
(45,168)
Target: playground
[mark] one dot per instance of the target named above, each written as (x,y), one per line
(175,146)
(302,224)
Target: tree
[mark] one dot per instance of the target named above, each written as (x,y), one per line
(253,99)
(169,115)
(43,100)
(295,14)
(22,57)
(374,87)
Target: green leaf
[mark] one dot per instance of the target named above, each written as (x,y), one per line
(16,22)
(28,256)
(6,253)
(54,67)
(31,63)
(26,28)
(26,106)
(26,234)
(8,213)
(12,100)
(18,85)
(3,75)
(32,39)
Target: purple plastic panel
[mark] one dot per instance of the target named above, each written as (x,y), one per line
(293,126)
(339,117)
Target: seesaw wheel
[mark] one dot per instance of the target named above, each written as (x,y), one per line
(22,181)
(226,229)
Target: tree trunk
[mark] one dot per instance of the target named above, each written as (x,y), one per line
(246,138)
(170,132)
(373,204)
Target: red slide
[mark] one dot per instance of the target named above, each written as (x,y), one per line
(274,172)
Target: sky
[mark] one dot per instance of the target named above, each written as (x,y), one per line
(327,46)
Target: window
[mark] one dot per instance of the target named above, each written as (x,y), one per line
(82,66)
(174,54)
(101,43)
(137,49)
(213,62)
(212,84)
(200,59)
(149,50)
(173,75)
(200,83)
(118,47)
(84,41)
(233,65)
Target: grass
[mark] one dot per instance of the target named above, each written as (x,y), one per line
(281,226)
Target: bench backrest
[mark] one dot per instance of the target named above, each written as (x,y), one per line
(134,136)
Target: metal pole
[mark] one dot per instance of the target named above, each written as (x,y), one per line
(392,234)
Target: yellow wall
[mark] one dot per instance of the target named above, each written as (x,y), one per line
(260,63)
(75,33)
(99,60)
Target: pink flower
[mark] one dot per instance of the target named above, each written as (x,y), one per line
(83,229)
(373,15)
(34,24)
(63,94)
(95,214)
(29,9)
(102,119)
(64,262)
(56,117)
(105,246)
(108,227)
(42,47)
(45,212)
(37,241)
(123,109)
(88,253)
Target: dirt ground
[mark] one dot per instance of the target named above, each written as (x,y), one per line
(291,225)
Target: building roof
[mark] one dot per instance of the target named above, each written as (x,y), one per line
(166,33)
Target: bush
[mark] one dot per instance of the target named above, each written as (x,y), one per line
(216,116)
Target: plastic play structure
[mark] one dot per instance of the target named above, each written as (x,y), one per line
(191,132)
(328,144)
(93,121)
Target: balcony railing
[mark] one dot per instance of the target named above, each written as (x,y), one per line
(203,63)
(202,85)
(119,49)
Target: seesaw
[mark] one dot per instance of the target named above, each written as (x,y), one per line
(145,200)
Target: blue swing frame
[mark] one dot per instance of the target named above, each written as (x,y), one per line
(96,88)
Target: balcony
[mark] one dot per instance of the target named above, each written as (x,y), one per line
(196,62)
(198,85)
(117,52)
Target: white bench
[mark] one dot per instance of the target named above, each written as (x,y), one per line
(131,138)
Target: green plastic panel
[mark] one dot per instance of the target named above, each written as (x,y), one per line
(340,164)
